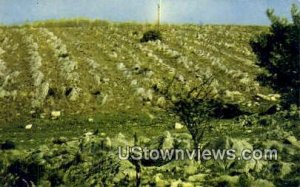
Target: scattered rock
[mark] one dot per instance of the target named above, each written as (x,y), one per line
(89,134)
(270,97)
(292,140)
(43,115)
(121,67)
(130,173)
(140,91)
(28,127)
(74,94)
(120,140)
(107,143)
(187,184)
(149,74)
(105,80)
(133,83)
(102,134)
(151,116)
(176,183)
(159,181)
(286,168)
(178,126)
(161,102)
(104,100)
(197,178)
(191,169)
(55,114)
(1,51)
(148,96)
(168,141)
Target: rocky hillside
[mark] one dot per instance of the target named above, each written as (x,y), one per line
(89,67)
(93,159)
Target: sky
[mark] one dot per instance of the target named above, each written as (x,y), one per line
(249,12)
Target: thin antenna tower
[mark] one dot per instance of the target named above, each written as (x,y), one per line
(159,13)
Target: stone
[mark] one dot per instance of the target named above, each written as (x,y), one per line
(1,51)
(197,178)
(89,134)
(75,94)
(151,116)
(161,102)
(131,173)
(121,141)
(102,134)
(178,126)
(133,83)
(260,165)
(107,142)
(144,140)
(28,127)
(176,183)
(105,80)
(127,170)
(149,74)
(191,168)
(187,184)
(286,168)
(104,100)
(148,95)
(140,91)
(292,140)
(91,120)
(55,114)
(159,181)
(121,67)
(168,141)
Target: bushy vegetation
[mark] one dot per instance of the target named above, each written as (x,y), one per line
(151,35)
(279,52)
(61,163)
(92,159)
(97,78)
(197,106)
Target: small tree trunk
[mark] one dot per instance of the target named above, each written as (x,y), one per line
(138,173)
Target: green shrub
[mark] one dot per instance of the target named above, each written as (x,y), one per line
(7,145)
(278,53)
(197,106)
(151,35)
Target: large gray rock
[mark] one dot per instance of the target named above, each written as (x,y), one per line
(223,144)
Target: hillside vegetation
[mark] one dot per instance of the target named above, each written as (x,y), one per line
(60,80)
(103,67)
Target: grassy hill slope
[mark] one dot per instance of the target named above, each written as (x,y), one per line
(104,67)
(101,71)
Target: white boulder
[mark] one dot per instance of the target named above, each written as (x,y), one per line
(28,127)
(178,126)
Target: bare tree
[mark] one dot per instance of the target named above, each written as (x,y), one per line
(194,107)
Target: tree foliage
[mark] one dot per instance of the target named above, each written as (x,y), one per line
(196,106)
(151,35)
(279,53)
